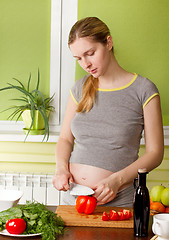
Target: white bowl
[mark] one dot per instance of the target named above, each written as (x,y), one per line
(160,226)
(9,198)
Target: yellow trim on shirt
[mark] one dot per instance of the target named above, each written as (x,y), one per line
(155,94)
(73,97)
(116,89)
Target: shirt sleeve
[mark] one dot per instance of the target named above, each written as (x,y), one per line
(148,91)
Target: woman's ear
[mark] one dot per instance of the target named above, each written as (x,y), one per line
(109,42)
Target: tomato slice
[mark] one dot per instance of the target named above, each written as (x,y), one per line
(121,216)
(124,214)
(105,216)
(113,215)
(15,226)
(127,213)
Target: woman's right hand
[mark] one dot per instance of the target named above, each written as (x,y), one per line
(61,180)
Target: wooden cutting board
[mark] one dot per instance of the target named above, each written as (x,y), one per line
(71,217)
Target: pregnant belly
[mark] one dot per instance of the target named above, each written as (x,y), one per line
(88,175)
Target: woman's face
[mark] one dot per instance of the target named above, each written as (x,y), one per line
(92,56)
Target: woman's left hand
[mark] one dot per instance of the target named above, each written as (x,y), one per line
(106,189)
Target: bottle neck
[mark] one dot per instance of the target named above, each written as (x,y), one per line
(142,179)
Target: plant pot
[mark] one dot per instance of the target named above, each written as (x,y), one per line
(38,127)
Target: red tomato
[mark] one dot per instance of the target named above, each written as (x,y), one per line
(15,226)
(85,204)
(105,216)
(113,215)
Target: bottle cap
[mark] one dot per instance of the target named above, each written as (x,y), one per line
(142,170)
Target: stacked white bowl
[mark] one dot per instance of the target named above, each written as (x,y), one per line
(9,198)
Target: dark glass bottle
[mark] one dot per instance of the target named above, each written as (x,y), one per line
(141,206)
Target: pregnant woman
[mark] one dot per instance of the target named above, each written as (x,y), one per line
(106,113)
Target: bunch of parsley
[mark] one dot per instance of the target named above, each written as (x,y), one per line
(38,220)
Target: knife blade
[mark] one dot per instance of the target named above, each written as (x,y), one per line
(77,189)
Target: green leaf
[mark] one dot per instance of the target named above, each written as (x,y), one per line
(6,88)
(19,99)
(10,213)
(37,86)
(45,118)
(12,115)
(37,92)
(31,222)
(33,118)
(29,80)
(22,90)
(19,83)
(19,115)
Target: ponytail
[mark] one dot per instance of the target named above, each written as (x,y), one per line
(89,91)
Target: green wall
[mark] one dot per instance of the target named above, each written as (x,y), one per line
(24,45)
(140,31)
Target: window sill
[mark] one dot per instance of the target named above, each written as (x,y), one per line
(20,137)
(13,132)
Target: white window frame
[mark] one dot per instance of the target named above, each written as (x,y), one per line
(62,73)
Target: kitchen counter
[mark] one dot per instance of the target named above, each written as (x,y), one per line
(92,233)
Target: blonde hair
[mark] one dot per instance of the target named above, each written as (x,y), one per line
(98,31)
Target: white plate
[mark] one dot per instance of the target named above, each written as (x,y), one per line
(6,233)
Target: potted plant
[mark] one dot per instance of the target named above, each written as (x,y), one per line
(34,108)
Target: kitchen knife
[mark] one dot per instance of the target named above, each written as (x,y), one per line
(77,189)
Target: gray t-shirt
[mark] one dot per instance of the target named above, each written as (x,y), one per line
(108,136)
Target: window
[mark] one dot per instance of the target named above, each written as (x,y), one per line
(62,72)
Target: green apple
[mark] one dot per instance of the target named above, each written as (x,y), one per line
(165,197)
(155,193)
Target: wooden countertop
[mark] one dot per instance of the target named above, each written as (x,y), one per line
(92,233)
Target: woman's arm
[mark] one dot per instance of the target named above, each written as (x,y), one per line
(64,148)
(107,189)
